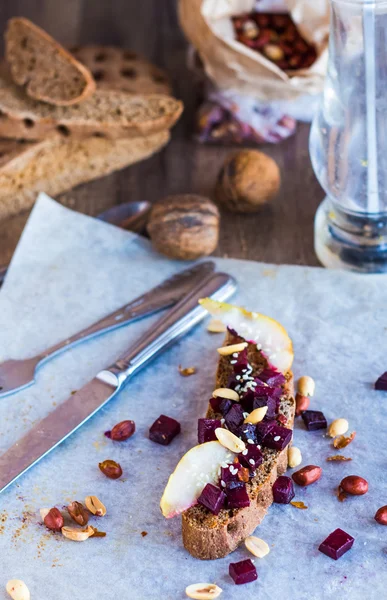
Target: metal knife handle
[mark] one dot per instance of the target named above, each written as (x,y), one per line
(180,319)
(164,295)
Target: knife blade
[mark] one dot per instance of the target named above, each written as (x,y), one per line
(76,410)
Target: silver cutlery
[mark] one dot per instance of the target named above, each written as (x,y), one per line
(18,374)
(76,410)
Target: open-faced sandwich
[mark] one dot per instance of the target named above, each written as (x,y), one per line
(223,486)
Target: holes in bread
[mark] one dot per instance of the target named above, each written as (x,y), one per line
(98,75)
(23,43)
(232,527)
(100,57)
(63,130)
(29,123)
(129,55)
(129,73)
(157,78)
(99,134)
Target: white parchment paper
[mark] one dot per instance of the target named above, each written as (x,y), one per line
(68,271)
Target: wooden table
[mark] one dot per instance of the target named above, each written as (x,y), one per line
(281,233)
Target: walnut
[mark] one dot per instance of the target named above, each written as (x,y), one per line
(247,180)
(184,226)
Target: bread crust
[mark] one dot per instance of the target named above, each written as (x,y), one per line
(34,79)
(207,536)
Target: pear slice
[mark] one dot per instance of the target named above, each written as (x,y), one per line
(271,338)
(199,466)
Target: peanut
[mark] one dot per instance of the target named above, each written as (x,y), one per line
(307,475)
(257,415)
(273,52)
(306,386)
(216,326)
(226,393)
(53,519)
(95,506)
(381,515)
(257,546)
(302,403)
(227,350)
(229,440)
(203,591)
(294,457)
(338,427)
(354,485)
(18,590)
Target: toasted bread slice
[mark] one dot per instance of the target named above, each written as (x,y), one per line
(47,71)
(207,536)
(107,113)
(56,165)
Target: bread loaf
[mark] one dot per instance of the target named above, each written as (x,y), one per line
(56,165)
(47,71)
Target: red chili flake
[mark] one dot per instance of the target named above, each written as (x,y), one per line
(300,505)
(144,533)
(341,495)
(338,457)
(282,419)
(187,371)
(341,441)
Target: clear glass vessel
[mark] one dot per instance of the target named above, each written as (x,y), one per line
(348,140)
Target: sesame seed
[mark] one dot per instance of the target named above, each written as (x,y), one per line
(230,468)
(245,452)
(235,355)
(222,483)
(225,465)
(254,383)
(259,447)
(238,377)
(259,346)
(222,421)
(245,415)
(250,441)
(251,461)
(277,438)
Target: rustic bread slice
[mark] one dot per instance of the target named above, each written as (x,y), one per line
(115,68)
(207,536)
(46,70)
(56,165)
(108,113)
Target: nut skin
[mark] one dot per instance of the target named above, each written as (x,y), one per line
(302,403)
(248,180)
(78,513)
(354,485)
(381,515)
(123,431)
(95,506)
(54,519)
(184,226)
(111,469)
(307,475)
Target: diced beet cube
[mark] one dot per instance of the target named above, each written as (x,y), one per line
(232,331)
(212,498)
(381,383)
(314,419)
(263,428)
(336,544)
(242,363)
(229,476)
(247,401)
(234,417)
(221,405)
(163,430)
(272,377)
(277,438)
(269,402)
(248,431)
(252,457)
(237,497)
(267,391)
(283,490)
(243,571)
(206,430)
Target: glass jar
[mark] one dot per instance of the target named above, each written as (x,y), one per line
(348,140)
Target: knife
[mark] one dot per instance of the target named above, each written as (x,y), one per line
(19,374)
(76,410)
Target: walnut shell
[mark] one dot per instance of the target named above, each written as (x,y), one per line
(247,180)
(185,226)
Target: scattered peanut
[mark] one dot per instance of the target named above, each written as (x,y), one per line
(78,513)
(203,591)
(381,515)
(294,457)
(302,403)
(111,469)
(354,485)
(216,326)
(53,519)
(273,52)
(78,535)
(226,350)
(306,386)
(226,393)
(257,415)
(307,475)
(338,427)
(95,506)
(187,372)
(257,546)
(229,440)
(18,590)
